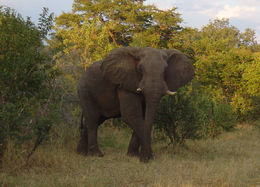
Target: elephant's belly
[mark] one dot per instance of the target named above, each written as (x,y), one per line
(108,104)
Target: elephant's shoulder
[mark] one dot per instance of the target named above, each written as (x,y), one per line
(94,68)
(94,75)
(95,65)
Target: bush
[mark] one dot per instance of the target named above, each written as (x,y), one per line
(192,114)
(27,90)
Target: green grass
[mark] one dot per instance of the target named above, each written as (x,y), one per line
(232,159)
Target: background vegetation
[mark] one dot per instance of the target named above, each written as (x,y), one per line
(40,65)
(28,100)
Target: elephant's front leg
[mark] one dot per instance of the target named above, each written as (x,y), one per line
(132,114)
(134,145)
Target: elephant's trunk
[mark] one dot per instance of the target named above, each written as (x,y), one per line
(152,97)
(151,108)
(153,94)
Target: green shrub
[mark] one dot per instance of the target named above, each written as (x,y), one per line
(192,114)
(27,91)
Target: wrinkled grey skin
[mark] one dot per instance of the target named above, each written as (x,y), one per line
(129,83)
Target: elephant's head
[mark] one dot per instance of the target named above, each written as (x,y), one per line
(148,70)
(152,72)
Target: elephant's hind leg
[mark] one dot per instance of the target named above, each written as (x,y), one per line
(92,126)
(88,144)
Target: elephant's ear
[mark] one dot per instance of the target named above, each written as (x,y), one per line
(180,71)
(120,67)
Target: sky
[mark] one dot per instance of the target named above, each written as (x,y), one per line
(195,13)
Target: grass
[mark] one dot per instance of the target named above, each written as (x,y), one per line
(232,159)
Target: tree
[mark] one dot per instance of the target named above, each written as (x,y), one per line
(93,28)
(223,58)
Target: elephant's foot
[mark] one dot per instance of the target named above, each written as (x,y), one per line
(133,150)
(95,152)
(82,149)
(134,145)
(145,157)
(133,153)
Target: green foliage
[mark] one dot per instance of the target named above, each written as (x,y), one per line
(177,119)
(226,62)
(192,114)
(26,79)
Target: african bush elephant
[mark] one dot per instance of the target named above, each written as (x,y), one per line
(129,83)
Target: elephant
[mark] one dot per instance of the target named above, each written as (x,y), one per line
(129,83)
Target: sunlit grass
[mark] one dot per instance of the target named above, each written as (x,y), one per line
(232,159)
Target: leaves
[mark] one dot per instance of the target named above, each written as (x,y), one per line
(193,114)
(26,78)
(225,61)
(95,27)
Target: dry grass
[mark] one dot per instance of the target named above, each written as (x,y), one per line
(232,159)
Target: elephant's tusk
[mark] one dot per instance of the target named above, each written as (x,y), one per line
(170,93)
(139,89)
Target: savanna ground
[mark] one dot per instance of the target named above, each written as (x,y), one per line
(232,159)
